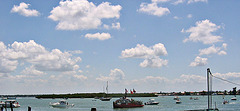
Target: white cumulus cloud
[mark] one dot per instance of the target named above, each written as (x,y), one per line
(99,36)
(199,61)
(154,62)
(202,32)
(82,14)
(36,55)
(116,25)
(150,54)
(116,75)
(153,9)
(32,71)
(22,9)
(194,1)
(214,50)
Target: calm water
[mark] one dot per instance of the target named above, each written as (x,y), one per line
(166,104)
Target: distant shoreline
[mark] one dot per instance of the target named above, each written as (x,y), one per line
(115,95)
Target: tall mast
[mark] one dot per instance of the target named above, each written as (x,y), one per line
(107,87)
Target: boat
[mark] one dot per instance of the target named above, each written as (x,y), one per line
(151,102)
(106,98)
(4,98)
(178,101)
(176,98)
(124,102)
(196,98)
(225,102)
(61,104)
(8,103)
(234,98)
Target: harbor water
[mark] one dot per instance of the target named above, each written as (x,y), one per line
(166,103)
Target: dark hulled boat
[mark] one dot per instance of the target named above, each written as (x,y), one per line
(127,103)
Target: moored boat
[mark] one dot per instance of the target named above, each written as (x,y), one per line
(234,98)
(105,98)
(8,104)
(61,104)
(127,103)
(151,102)
(176,98)
(178,101)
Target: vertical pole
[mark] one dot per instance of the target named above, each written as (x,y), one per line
(5,106)
(29,108)
(208,86)
(11,106)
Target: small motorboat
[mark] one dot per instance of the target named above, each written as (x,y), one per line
(225,102)
(178,101)
(151,102)
(127,103)
(8,103)
(105,98)
(176,98)
(196,98)
(234,98)
(61,104)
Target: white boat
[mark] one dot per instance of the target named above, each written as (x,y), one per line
(178,101)
(176,98)
(61,104)
(7,104)
(151,102)
(234,98)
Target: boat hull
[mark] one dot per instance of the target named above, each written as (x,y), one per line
(151,103)
(129,105)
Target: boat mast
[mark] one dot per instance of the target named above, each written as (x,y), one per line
(107,87)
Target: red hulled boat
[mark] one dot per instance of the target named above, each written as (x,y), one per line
(127,103)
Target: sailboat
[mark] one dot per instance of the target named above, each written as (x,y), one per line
(106,98)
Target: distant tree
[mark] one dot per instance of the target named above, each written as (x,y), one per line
(234,92)
(225,92)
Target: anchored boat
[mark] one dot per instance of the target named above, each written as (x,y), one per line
(61,104)
(127,103)
(151,102)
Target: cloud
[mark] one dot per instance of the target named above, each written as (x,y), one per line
(99,36)
(116,25)
(199,62)
(190,79)
(32,71)
(75,52)
(22,9)
(189,16)
(150,54)
(116,75)
(202,32)
(228,76)
(214,50)
(178,2)
(153,9)
(82,15)
(141,51)
(159,1)
(81,77)
(194,1)
(154,62)
(36,55)
(176,17)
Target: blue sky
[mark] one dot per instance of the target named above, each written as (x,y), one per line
(150,45)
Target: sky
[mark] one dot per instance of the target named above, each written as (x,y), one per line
(76,46)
